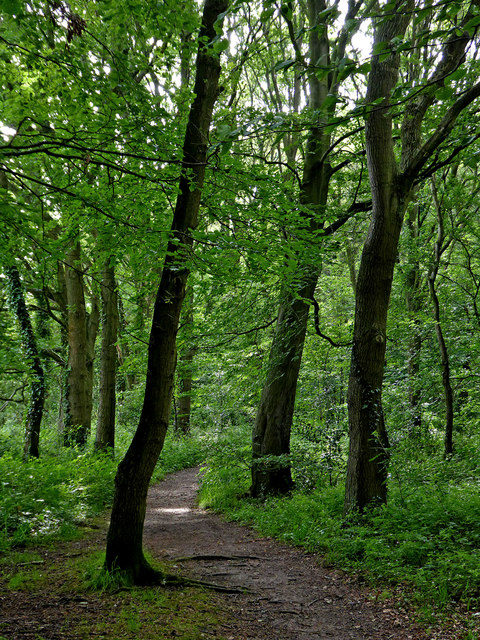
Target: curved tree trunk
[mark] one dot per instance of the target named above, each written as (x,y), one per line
(271,434)
(124,539)
(105,436)
(440,246)
(37,385)
(368,455)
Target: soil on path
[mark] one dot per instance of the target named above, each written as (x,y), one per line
(288,594)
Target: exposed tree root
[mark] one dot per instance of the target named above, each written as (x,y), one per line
(158,578)
(216,557)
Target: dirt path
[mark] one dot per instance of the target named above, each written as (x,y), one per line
(291,597)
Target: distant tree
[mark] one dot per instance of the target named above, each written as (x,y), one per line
(82,328)
(37,376)
(105,435)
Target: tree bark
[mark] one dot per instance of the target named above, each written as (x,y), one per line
(368,454)
(185,368)
(391,188)
(37,384)
(105,436)
(124,539)
(271,432)
(78,404)
(440,246)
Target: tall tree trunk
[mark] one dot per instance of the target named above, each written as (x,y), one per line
(61,299)
(124,539)
(271,432)
(93,325)
(440,246)
(350,256)
(127,379)
(391,188)
(77,415)
(185,368)
(105,436)
(37,384)
(368,455)
(82,330)
(413,300)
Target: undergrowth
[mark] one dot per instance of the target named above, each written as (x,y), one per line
(48,498)
(426,539)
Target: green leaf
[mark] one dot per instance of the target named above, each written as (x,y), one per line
(444,93)
(284,64)
(221,45)
(12,7)
(266,15)
(286,10)
(223,130)
(380,47)
(472,24)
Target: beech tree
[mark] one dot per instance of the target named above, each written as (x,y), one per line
(82,328)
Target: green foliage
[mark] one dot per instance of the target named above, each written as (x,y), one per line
(98,121)
(181,452)
(50,497)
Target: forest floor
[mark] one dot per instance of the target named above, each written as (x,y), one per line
(283,592)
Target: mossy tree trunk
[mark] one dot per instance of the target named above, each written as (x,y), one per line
(105,436)
(37,376)
(392,186)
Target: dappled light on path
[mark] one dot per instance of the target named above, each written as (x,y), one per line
(173,510)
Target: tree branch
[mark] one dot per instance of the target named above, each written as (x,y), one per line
(441,133)
(316,309)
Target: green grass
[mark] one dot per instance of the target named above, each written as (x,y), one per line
(116,610)
(150,613)
(153,614)
(27,580)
